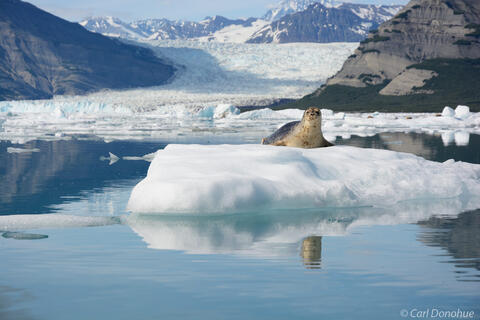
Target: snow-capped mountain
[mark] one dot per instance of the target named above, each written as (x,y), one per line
(291,6)
(347,22)
(162,29)
(290,21)
(113,27)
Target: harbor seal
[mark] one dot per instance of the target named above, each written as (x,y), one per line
(306,133)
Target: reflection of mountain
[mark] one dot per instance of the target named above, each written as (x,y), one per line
(429,147)
(30,183)
(10,299)
(459,236)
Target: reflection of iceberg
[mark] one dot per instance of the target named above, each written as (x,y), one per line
(242,178)
(266,234)
(111,158)
(22,150)
(461,138)
(277,233)
(23,236)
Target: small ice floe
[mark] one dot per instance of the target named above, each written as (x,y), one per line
(242,178)
(225,110)
(13,223)
(448,112)
(148,157)
(59,113)
(22,150)
(111,158)
(462,112)
(23,236)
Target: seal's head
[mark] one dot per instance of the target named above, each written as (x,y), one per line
(312,114)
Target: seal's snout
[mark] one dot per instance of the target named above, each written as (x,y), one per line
(312,113)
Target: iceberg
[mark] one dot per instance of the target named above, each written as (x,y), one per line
(203,179)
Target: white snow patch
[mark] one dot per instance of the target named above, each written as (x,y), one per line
(241,178)
(235,33)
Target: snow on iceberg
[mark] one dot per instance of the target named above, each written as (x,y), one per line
(241,178)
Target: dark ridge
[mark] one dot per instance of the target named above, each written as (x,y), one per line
(42,55)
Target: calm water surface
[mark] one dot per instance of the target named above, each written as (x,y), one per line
(358,263)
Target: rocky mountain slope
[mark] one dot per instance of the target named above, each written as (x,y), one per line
(346,22)
(43,55)
(426,57)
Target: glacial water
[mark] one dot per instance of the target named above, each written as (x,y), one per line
(80,255)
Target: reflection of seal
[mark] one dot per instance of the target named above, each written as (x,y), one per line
(312,252)
(306,133)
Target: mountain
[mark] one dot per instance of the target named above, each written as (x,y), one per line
(424,58)
(291,6)
(347,22)
(114,27)
(43,55)
(290,21)
(162,29)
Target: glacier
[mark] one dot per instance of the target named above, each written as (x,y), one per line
(219,179)
(210,74)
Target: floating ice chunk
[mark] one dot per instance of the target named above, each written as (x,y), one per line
(339,116)
(239,178)
(327,113)
(22,150)
(51,221)
(330,137)
(225,110)
(23,236)
(59,113)
(111,158)
(448,112)
(462,138)
(462,112)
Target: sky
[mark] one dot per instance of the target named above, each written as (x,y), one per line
(196,10)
